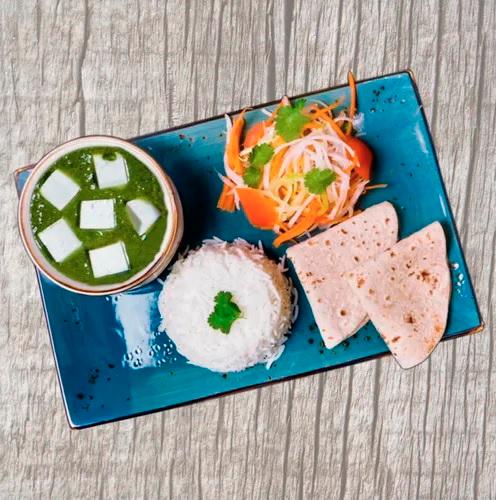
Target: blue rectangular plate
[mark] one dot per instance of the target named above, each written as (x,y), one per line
(111,360)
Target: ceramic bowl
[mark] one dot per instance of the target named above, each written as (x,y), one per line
(172,236)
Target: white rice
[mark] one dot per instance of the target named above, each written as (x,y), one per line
(260,290)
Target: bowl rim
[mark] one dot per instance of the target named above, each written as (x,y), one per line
(172,233)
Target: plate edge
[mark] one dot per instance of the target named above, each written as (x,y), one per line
(406,71)
(416,90)
(374,357)
(477,329)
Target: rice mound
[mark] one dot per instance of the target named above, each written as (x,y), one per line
(260,290)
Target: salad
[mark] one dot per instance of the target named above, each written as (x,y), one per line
(302,168)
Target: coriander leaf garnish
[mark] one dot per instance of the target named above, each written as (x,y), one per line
(260,155)
(225,312)
(317,180)
(252,176)
(290,120)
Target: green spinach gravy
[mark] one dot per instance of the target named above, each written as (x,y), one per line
(78,165)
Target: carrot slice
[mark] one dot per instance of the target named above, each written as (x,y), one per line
(259,209)
(306,222)
(254,134)
(353,101)
(370,187)
(334,126)
(364,156)
(353,96)
(226,200)
(276,163)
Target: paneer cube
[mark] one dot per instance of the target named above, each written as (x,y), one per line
(60,240)
(110,259)
(142,215)
(97,214)
(59,189)
(110,172)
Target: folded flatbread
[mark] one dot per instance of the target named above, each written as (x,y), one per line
(321,260)
(405,291)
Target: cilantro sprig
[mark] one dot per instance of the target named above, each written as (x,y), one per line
(225,312)
(317,180)
(252,176)
(259,156)
(290,120)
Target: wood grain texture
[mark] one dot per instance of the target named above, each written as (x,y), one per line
(370,431)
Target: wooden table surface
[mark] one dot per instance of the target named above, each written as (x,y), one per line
(69,68)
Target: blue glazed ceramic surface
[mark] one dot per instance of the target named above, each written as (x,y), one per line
(112,361)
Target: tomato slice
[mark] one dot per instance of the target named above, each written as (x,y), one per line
(259,209)
(364,156)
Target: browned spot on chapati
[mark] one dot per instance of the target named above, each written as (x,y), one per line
(344,231)
(395,339)
(371,291)
(327,242)
(318,281)
(431,344)
(342,312)
(360,282)
(387,220)
(429,278)
(438,328)
(392,254)
(408,265)
(387,298)
(409,318)
(356,259)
